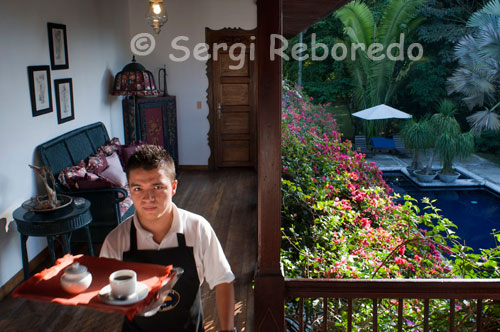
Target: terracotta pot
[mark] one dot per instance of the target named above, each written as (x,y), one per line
(448,178)
(425,177)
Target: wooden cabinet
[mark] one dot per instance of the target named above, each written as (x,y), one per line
(152,120)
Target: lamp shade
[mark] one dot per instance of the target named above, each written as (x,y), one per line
(134,80)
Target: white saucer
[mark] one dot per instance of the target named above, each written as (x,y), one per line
(141,291)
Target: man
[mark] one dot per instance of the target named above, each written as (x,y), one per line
(161,233)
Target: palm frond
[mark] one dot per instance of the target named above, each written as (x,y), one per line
(395,20)
(413,25)
(484,120)
(475,83)
(481,17)
(489,40)
(358,17)
(492,8)
(467,51)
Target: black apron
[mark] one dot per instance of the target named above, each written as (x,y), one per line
(181,311)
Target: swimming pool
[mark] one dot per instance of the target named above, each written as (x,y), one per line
(476,210)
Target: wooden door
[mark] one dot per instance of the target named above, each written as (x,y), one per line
(232,100)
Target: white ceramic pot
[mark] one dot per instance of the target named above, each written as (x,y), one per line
(76,279)
(425,177)
(448,178)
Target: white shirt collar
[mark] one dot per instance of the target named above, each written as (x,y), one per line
(176,227)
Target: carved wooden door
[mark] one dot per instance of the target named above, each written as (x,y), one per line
(232,99)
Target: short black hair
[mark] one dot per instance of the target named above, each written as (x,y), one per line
(150,157)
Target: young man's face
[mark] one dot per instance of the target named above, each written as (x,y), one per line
(151,192)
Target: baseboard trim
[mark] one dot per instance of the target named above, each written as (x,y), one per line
(34,264)
(193,167)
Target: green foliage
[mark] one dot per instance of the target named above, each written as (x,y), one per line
(376,81)
(326,81)
(488,142)
(444,25)
(450,142)
(418,136)
(339,220)
(478,77)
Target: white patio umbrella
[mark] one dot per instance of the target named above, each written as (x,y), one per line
(380,112)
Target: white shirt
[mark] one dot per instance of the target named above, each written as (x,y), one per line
(211,263)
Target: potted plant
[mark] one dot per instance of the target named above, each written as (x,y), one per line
(451,143)
(418,136)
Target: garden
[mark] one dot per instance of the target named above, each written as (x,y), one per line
(339,218)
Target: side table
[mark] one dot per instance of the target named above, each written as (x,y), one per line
(51,224)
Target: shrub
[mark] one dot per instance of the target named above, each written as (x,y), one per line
(339,219)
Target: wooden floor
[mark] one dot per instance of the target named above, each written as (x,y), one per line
(226,198)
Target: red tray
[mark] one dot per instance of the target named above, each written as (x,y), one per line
(45,286)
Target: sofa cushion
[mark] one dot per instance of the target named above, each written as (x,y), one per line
(127,150)
(93,181)
(69,176)
(114,172)
(109,148)
(97,163)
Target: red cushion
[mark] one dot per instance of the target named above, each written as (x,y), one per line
(93,181)
(97,163)
(69,176)
(111,147)
(127,150)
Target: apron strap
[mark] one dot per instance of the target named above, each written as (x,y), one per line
(133,237)
(181,240)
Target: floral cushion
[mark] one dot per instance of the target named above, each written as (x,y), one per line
(126,203)
(97,163)
(110,148)
(102,170)
(69,176)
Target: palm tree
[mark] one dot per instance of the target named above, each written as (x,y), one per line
(377,81)
(418,136)
(450,142)
(478,75)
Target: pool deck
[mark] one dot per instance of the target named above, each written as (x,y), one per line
(481,172)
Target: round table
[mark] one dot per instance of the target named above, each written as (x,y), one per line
(51,224)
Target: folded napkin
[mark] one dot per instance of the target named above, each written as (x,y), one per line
(46,286)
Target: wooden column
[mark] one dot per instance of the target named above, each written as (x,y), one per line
(269,282)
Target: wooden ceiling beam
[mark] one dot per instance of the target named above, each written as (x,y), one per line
(300,14)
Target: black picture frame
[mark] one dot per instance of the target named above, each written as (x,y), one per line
(40,90)
(58,46)
(64,100)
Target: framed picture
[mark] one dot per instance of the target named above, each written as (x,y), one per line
(58,46)
(40,91)
(64,100)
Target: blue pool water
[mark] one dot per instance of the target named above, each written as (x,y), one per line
(476,211)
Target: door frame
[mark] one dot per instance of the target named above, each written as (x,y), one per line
(230,36)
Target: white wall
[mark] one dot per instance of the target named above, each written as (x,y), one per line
(98,40)
(188,80)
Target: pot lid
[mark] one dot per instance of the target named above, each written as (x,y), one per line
(75,270)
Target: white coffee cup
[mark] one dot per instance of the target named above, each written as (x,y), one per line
(122,283)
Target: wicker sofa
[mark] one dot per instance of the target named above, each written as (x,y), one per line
(69,149)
